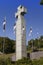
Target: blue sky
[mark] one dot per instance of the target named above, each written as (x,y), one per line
(34,17)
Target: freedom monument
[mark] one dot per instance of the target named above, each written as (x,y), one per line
(20,33)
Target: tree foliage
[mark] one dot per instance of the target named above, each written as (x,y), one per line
(36,43)
(9,45)
(41,2)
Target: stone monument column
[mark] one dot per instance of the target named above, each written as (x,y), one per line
(20,33)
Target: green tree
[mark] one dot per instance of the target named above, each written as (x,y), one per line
(37,44)
(9,45)
(33,43)
(41,42)
(41,2)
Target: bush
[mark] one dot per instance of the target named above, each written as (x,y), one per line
(5,61)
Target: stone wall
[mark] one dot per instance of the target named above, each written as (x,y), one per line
(36,55)
(13,58)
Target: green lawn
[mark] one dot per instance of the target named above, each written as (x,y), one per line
(25,61)
(5,56)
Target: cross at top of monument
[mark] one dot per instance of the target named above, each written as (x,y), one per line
(21,10)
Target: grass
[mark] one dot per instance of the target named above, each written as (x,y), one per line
(30,50)
(5,56)
(34,62)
